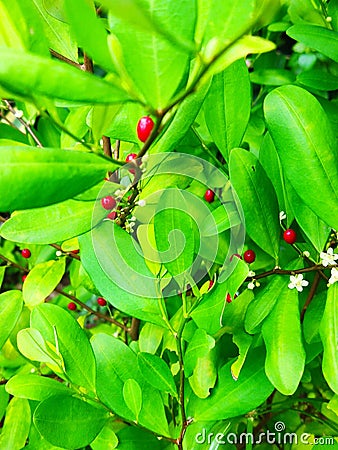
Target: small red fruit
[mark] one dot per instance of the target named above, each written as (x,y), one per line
(209,195)
(75,252)
(131,157)
(23,278)
(249,256)
(229,299)
(26,253)
(211,283)
(108,202)
(235,254)
(290,236)
(144,128)
(72,306)
(101,301)
(112,215)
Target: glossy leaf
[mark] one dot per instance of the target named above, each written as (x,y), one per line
(313,317)
(30,75)
(89,31)
(306,146)
(50,223)
(42,280)
(329,335)
(282,335)
(204,375)
(174,233)
(16,426)
(69,422)
(221,219)
(156,373)
(11,303)
(318,79)
(319,38)
(227,106)
(232,398)
(116,363)
(258,200)
(122,292)
(132,395)
(199,346)
(132,438)
(61,330)
(34,387)
(2,274)
(33,168)
(272,77)
(150,338)
(105,440)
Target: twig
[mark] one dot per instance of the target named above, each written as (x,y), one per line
(71,254)
(134,329)
(117,149)
(64,59)
(311,294)
(316,267)
(87,64)
(23,122)
(107,146)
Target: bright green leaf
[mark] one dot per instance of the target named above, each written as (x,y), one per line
(35,387)
(156,373)
(16,426)
(132,395)
(11,303)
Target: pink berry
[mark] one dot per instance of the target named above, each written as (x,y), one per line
(112,215)
(108,202)
(131,157)
(249,256)
(144,128)
(101,301)
(72,306)
(26,253)
(209,195)
(290,236)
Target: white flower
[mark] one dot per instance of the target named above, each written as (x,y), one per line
(328,258)
(58,253)
(306,254)
(251,273)
(296,281)
(18,114)
(141,203)
(334,275)
(251,285)
(282,216)
(130,227)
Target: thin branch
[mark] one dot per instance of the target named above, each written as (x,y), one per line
(134,329)
(316,268)
(117,149)
(71,254)
(64,59)
(311,294)
(23,122)
(88,64)
(107,150)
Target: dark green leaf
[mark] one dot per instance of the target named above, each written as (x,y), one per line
(11,303)
(306,146)
(272,77)
(68,421)
(321,39)
(318,79)
(132,438)
(27,173)
(258,200)
(30,75)
(156,373)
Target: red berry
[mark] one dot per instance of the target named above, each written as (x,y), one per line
(229,299)
(235,254)
(75,252)
(101,301)
(72,306)
(23,278)
(108,202)
(290,236)
(211,283)
(209,195)
(112,215)
(144,128)
(249,256)
(26,253)
(131,157)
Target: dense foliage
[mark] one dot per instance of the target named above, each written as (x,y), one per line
(168,198)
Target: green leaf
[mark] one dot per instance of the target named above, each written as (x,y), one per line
(42,280)
(264,302)
(164,65)
(174,233)
(61,330)
(227,106)
(105,440)
(4,398)
(285,360)
(51,223)
(204,375)
(221,219)
(101,118)
(68,421)
(116,363)
(232,398)
(120,278)
(34,168)
(132,438)
(199,346)
(319,38)
(2,275)
(156,373)
(150,338)
(34,387)
(329,336)
(313,317)
(272,77)
(31,75)
(11,303)
(16,426)
(132,395)
(258,200)
(306,146)
(33,346)
(318,79)
(89,31)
